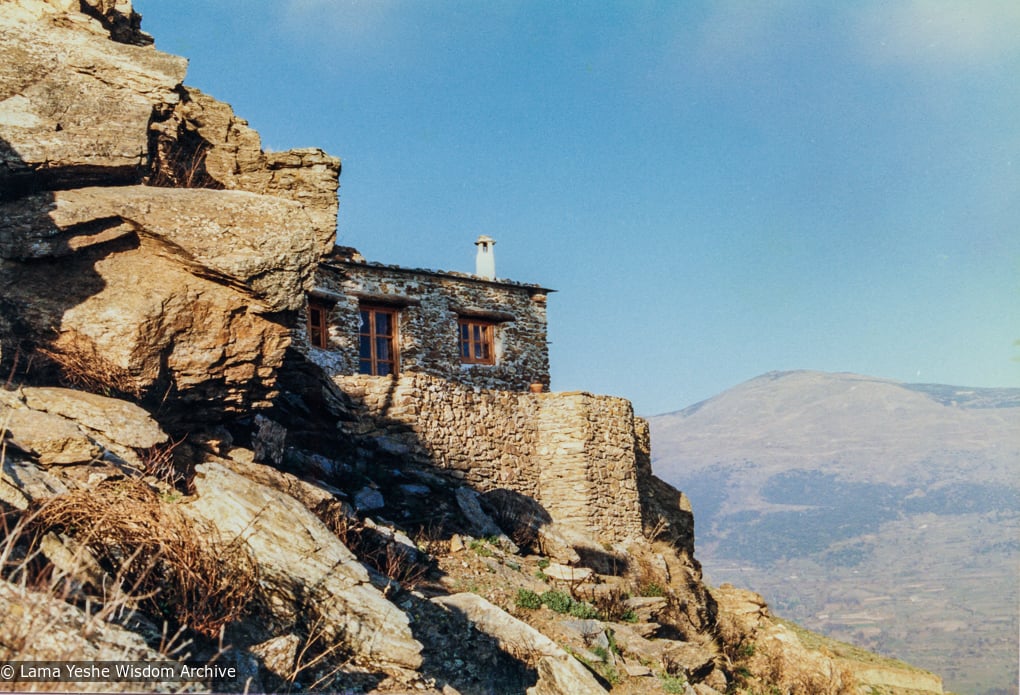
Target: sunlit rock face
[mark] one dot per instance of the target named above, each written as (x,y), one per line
(147,244)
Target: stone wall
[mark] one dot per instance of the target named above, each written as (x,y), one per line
(574,453)
(430,304)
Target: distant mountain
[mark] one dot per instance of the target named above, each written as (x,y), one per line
(880,512)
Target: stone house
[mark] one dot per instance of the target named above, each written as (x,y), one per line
(382,320)
(441,365)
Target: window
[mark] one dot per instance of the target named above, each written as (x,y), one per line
(318,323)
(477,341)
(377,341)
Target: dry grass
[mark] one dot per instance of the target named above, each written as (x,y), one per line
(82,366)
(646,579)
(780,674)
(182,573)
(158,461)
(320,657)
(180,163)
(35,588)
(373,548)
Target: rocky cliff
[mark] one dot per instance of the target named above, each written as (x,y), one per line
(179,486)
(149,246)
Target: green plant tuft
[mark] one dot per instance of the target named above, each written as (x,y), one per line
(557,601)
(672,684)
(651,589)
(526,598)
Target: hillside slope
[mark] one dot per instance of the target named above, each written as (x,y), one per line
(878,512)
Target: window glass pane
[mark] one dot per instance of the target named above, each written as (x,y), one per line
(476,342)
(376,343)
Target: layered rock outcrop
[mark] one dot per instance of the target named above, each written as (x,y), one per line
(75,104)
(304,568)
(147,245)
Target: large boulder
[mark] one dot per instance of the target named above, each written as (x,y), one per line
(50,438)
(262,246)
(161,289)
(63,426)
(131,321)
(112,419)
(304,568)
(558,672)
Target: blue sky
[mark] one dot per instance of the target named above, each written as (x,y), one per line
(716,189)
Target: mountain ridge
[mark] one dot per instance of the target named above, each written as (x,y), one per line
(876,511)
(947,394)
(850,418)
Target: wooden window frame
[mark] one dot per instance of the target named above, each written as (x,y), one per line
(318,322)
(372,360)
(469,340)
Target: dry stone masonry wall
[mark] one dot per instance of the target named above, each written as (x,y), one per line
(575,453)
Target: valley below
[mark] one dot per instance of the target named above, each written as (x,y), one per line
(878,513)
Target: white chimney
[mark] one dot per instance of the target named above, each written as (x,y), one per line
(485,260)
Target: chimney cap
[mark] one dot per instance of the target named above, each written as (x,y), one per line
(484,239)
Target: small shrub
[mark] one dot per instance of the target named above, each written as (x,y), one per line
(557,601)
(611,638)
(580,609)
(388,557)
(543,563)
(158,461)
(561,602)
(526,598)
(673,684)
(610,674)
(481,547)
(397,563)
(651,589)
(611,605)
(519,519)
(180,163)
